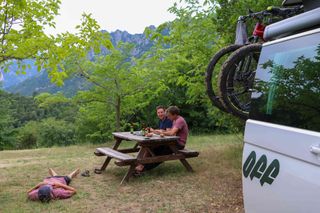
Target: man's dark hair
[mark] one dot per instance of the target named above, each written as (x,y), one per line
(161,107)
(44,193)
(173,110)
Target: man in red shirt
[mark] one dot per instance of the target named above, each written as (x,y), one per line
(179,126)
(54,187)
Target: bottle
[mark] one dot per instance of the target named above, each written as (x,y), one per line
(131,129)
(143,132)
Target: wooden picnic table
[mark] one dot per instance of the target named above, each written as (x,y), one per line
(142,144)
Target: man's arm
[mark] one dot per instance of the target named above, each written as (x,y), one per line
(171,132)
(157,131)
(71,192)
(37,186)
(56,184)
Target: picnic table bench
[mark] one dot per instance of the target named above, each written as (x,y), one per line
(142,144)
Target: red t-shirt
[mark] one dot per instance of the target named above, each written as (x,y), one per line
(57,193)
(183,131)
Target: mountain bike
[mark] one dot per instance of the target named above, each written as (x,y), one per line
(236,77)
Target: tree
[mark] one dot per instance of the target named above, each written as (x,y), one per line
(47,133)
(28,136)
(200,30)
(57,106)
(182,56)
(6,124)
(22,36)
(56,132)
(119,85)
(22,25)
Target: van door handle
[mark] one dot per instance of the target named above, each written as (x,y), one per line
(315,149)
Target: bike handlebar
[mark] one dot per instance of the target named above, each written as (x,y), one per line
(273,11)
(285,12)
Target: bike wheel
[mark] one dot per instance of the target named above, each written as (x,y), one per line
(236,80)
(212,72)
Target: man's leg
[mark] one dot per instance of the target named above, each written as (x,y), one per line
(52,172)
(144,154)
(74,173)
(157,151)
(140,167)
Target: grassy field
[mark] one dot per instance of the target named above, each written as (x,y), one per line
(214,187)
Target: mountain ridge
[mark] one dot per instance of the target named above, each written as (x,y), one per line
(38,82)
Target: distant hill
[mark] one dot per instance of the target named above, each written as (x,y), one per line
(35,82)
(41,83)
(12,78)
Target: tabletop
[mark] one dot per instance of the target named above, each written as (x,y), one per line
(134,137)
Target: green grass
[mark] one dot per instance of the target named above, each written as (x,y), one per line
(214,187)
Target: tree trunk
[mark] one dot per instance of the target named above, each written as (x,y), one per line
(118,104)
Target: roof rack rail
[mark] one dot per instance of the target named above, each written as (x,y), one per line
(292,25)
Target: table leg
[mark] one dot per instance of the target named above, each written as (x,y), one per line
(141,153)
(107,161)
(187,165)
(132,167)
(183,161)
(136,146)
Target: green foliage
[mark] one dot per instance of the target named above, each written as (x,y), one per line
(47,133)
(6,125)
(94,123)
(182,57)
(23,22)
(125,89)
(228,11)
(28,136)
(119,88)
(57,106)
(56,132)
(23,37)
(22,121)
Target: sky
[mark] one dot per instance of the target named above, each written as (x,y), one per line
(130,15)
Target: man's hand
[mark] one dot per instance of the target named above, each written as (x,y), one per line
(158,131)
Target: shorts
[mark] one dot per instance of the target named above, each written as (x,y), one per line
(66,178)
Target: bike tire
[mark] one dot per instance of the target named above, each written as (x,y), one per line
(227,74)
(214,98)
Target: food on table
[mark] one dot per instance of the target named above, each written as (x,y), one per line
(149,134)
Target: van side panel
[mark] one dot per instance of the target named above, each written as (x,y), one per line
(280,173)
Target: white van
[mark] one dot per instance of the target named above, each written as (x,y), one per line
(281,157)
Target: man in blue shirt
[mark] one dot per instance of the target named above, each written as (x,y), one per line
(164,122)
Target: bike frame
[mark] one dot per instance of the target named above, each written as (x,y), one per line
(258,31)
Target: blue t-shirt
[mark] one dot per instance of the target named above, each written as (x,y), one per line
(164,124)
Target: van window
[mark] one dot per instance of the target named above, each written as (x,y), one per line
(287,86)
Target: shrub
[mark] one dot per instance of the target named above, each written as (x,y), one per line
(46,133)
